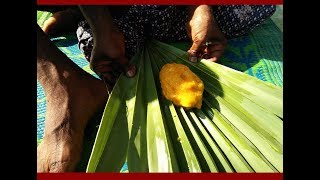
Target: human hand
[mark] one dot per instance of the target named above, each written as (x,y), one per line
(208,41)
(108,58)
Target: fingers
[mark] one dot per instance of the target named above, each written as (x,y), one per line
(101,65)
(215,56)
(113,67)
(110,69)
(211,50)
(128,69)
(195,49)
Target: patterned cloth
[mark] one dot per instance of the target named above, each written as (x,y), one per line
(168,24)
(238,20)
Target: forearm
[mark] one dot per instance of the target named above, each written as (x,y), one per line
(99,19)
(199,11)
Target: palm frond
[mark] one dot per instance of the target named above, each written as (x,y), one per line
(238,128)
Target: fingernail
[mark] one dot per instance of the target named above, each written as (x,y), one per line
(131,71)
(193,59)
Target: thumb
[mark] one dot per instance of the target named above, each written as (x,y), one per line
(128,69)
(101,64)
(195,49)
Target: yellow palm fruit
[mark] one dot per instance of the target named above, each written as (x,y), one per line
(181,86)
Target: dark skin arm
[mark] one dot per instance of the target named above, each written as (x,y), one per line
(108,58)
(202,27)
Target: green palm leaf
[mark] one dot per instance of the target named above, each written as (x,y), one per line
(238,128)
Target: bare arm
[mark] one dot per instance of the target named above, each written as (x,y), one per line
(201,29)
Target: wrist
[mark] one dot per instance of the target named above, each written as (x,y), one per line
(99,19)
(199,9)
(200,15)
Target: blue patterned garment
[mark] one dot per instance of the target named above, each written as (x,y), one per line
(168,24)
(238,20)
